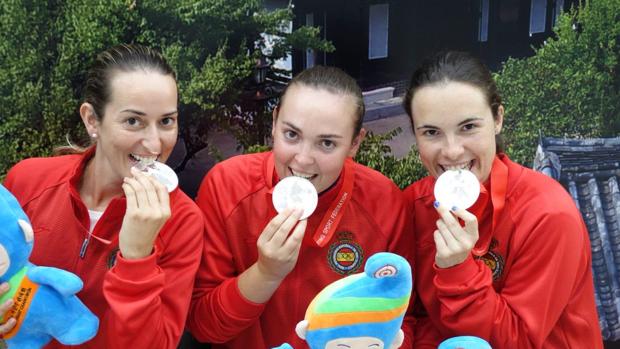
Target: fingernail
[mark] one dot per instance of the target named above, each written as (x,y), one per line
(454,208)
(436,204)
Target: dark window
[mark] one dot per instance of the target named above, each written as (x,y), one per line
(378,24)
(483,21)
(557,10)
(538,14)
(309,61)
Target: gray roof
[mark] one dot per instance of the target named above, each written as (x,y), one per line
(590,170)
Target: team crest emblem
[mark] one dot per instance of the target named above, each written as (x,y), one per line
(494,261)
(112,257)
(345,256)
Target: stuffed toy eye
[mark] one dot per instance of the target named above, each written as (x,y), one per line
(386,271)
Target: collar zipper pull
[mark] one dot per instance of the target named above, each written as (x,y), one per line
(84,246)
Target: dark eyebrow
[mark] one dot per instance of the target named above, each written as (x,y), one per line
(137,112)
(425,126)
(298,130)
(466,121)
(343,345)
(295,128)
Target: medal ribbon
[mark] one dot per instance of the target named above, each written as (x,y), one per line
(332,217)
(499,182)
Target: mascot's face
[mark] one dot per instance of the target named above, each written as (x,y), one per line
(16,236)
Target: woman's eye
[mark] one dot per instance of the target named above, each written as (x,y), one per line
(328,144)
(132,121)
(168,121)
(290,134)
(468,127)
(429,133)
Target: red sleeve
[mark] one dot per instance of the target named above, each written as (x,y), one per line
(545,272)
(218,311)
(149,298)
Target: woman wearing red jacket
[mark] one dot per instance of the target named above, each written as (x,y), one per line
(515,268)
(135,246)
(261,269)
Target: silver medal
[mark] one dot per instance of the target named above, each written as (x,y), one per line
(163,173)
(295,192)
(457,188)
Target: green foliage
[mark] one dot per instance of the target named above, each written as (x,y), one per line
(376,154)
(256,148)
(47,47)
(571,87)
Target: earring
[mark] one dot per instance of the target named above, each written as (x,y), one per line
(94,135)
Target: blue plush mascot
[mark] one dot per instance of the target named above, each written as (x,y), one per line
(45,305)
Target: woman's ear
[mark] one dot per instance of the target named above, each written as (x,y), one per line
(357,141)
(499,119)
(89,118)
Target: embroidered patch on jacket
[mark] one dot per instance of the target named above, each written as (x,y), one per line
(494,261)
(112,257)
(345,256)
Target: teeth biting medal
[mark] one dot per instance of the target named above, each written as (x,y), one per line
(160,171)
(457,188)
(295,192)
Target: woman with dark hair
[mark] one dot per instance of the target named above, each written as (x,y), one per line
(261,269)
(135,245)
(515,268)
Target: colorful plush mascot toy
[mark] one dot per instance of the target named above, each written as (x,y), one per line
(363,310)
(45,305)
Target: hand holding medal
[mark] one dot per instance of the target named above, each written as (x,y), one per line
(455,191)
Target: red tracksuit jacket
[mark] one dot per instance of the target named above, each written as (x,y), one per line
(235,197)
(529,284)
(140,303)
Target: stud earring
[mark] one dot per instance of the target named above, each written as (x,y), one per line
(94,135)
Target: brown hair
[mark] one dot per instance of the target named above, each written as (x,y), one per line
(454,66)
(120,58)
(335,81)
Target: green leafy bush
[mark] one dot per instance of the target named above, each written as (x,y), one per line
(47,47)
(376,154)
(570,87)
